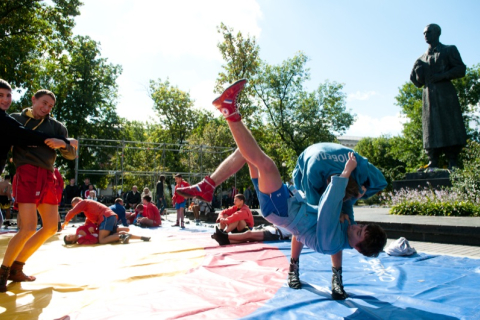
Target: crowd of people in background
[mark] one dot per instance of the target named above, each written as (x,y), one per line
(130,205)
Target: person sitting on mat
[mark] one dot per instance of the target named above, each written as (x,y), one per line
(237,218)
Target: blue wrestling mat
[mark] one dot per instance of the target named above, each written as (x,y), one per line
(421,286)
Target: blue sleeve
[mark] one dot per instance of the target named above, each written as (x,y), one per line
(347,208)
(328,236)
(375,182)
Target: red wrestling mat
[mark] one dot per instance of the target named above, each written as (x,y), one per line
(178,274)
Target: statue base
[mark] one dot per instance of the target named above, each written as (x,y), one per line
(436,179)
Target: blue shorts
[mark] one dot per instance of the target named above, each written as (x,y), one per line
(180,205)
(275,202)
(108,223)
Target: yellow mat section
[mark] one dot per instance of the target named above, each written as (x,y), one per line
(72,278)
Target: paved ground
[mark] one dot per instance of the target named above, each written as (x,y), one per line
(379,214)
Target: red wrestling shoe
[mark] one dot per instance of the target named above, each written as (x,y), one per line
(202,190)
(227,102)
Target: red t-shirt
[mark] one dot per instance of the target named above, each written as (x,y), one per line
(178,198)
(235,214)
(151,212)
(94,211)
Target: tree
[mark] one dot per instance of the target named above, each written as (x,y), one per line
(30,29)
(409,147)
(242,61)
(300,118)
(86,90)
(378,151)
(174,108)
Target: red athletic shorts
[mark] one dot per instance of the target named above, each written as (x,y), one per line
(33,184)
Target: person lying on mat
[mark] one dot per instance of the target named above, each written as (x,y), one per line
(259,233)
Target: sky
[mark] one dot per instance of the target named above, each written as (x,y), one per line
(369,46)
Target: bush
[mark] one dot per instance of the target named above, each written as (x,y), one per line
(428,202)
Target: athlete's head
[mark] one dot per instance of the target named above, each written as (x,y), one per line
(368,239)
(70,239)
(7,177)
(119,201)
(239,200)
(178,178)
(42,103)
(146,200)
(75,201)
(5,95)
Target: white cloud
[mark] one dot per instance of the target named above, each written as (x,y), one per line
(359,95)
(367,126)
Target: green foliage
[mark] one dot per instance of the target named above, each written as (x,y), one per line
(300,118)
(241,55)
(467,180)
(29,30)
(378,151)
(408,148)
(456,209)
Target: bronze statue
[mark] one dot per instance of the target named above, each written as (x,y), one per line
(443,127)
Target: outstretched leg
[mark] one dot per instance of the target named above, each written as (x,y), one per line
(269,179)
(204,190)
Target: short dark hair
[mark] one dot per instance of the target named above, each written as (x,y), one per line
(374,242)
(162,178)
(118,200)
(351,191)
(5,85)
(148,198)
(45,92)
(240,196)
(178,175)
(8,177)
(68,241)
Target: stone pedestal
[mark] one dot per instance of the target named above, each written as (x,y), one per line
(419,180)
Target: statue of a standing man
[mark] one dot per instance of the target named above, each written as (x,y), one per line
(443,127)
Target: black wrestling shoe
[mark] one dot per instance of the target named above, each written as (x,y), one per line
(293,276)
(337,285)
(221,237)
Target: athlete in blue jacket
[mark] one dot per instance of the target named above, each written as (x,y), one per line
(313,171)
(318,225)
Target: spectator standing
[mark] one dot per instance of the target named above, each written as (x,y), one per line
(6,196)
(248,196)
(160,194)
(179,201)
(71,191)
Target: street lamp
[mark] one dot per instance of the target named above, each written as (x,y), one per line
(284,164)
